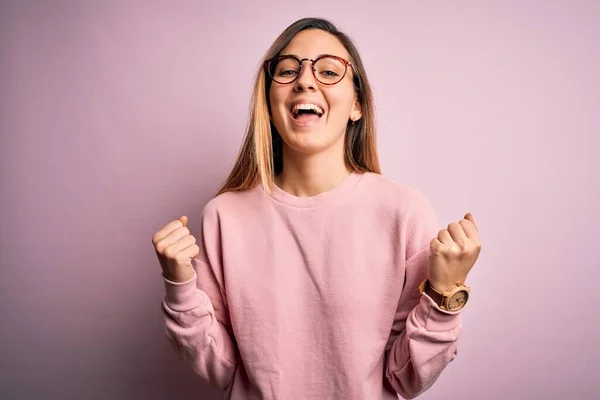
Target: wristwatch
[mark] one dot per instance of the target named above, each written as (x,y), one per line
(453,299)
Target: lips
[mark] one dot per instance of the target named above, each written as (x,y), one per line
(306,107)
(304,120)
(313,109)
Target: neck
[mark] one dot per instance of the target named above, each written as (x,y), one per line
(306,175)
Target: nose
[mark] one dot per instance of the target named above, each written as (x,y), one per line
(306,79)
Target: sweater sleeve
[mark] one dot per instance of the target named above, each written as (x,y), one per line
(424,337)
(197,322)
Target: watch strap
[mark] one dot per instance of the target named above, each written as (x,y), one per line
(436,296)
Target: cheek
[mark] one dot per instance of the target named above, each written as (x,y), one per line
(341,107)
(341,101)
(276,98)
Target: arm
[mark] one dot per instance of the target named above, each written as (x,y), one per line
(197,321)
(424,338)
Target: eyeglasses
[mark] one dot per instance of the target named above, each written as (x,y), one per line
(327,69)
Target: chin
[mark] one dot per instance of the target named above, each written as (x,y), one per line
(311,143)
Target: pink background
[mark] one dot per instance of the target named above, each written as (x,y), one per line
(117,117)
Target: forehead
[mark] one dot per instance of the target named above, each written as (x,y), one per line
(311,43)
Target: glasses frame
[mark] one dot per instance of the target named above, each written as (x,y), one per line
(267,66)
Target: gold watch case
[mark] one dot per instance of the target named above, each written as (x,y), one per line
(453,299)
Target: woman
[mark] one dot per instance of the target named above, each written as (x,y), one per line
(313,276)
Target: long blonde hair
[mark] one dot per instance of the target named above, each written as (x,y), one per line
(260,157)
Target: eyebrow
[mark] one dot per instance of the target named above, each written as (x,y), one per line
(297,56)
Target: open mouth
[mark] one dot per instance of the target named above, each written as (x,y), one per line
(306,110)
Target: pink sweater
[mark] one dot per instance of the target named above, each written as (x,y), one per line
(314,297)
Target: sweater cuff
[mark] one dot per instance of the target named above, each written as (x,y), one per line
(433,318)
(183,296)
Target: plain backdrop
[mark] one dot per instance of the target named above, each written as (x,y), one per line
(119,116)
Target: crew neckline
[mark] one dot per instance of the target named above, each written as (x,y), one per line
(322,198)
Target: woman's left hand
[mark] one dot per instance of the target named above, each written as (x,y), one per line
(453,253)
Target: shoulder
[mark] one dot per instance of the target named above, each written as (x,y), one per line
(232,204)
(386,192)
(406,209)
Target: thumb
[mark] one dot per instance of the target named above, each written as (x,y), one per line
(184,220)
(470,218)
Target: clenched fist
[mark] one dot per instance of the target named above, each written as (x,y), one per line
(453,253)
(176,248)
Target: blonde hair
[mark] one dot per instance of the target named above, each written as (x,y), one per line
(260,157)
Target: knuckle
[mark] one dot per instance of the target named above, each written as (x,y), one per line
(472,246)
(160,248)
(182,258)
(455,250)
(157,237)
(170,253)
(442,251)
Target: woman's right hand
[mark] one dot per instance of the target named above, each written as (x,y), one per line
(176,248)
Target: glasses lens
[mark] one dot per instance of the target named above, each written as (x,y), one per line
(285,69)
(329,70)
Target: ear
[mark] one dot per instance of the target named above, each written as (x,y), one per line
(356,111)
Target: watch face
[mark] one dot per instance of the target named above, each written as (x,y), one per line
(458,301)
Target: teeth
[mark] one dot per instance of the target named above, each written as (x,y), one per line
(306,106)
